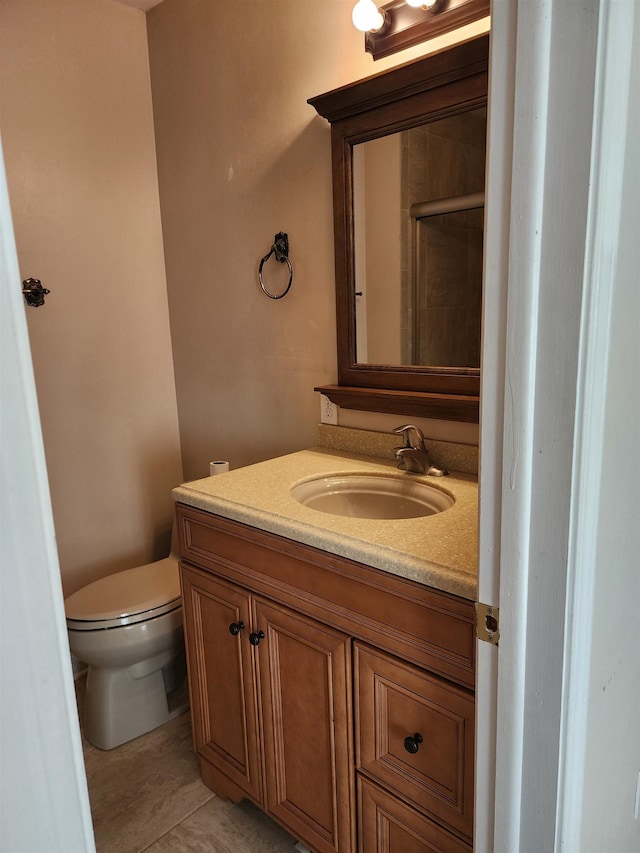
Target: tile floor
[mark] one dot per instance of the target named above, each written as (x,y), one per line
(146,795)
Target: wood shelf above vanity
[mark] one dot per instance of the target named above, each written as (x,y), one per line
(457,407)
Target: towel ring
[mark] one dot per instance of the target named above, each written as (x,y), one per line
(281,250)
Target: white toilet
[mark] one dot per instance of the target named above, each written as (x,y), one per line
(127,628)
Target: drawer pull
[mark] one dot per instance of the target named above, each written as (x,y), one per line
(235,628)
(255,637)
(412,744)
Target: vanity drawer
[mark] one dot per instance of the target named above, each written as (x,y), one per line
(387,824)
(415,734)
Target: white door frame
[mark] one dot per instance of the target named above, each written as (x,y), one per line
(599,768)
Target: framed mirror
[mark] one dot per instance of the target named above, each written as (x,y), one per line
(408,155)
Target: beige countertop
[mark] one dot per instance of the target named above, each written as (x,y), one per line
(438,550)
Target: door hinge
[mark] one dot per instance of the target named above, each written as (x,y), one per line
(487,623)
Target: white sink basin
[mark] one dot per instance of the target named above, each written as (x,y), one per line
(372,496)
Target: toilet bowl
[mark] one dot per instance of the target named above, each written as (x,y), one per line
(127,628)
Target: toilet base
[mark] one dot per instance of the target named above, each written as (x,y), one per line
(123,703)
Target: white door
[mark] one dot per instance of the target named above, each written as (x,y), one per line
(44,804)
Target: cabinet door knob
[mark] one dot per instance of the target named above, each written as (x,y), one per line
(235,628)
(255,637)
(412,743)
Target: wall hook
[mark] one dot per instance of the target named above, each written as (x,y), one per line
(280,249)
(34,292)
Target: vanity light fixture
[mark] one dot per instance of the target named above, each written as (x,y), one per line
(368,18)
(399,24)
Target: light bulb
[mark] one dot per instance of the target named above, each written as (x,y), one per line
(366,16)
(421,4)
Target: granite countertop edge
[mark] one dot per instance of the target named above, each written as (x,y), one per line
(438,551)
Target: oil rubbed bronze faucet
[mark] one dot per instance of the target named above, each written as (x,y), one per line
(413,457)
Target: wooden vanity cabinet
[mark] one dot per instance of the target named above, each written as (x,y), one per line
(336,697)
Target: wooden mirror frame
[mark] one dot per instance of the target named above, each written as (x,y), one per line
(440,85)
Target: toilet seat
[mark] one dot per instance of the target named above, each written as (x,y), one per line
(126,598)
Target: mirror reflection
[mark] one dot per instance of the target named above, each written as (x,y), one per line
(418,233)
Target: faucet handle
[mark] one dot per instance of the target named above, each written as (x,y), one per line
(405,432)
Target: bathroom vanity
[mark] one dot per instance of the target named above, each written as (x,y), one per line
(331,659)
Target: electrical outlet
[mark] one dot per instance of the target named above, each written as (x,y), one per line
(328,411)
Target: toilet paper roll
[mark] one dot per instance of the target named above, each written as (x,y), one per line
(218,467)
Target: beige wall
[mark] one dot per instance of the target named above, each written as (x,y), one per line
(76,118)
(241,156)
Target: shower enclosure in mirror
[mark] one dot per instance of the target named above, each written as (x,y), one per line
(418,229)
(408,153)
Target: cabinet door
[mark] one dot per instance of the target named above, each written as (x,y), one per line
(387,825)
(222,680)
(305,687)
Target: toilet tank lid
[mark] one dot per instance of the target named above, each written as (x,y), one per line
(126,593)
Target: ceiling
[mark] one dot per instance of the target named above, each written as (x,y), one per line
(143,5)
